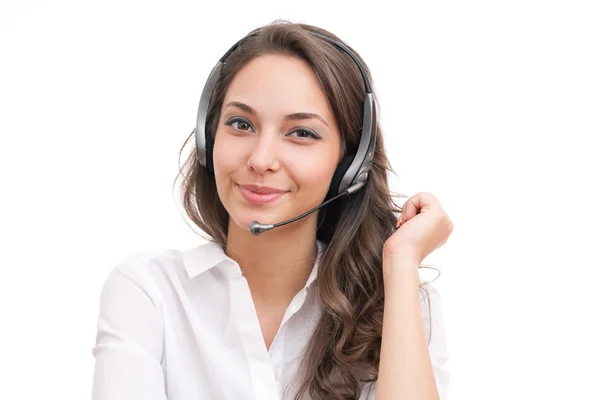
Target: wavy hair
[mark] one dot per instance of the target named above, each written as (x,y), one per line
(344,350)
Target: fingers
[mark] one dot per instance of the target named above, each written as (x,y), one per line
(410,208)
(415,204)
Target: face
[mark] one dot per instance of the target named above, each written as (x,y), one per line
(276,131)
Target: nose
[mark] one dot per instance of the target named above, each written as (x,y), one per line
(263,156)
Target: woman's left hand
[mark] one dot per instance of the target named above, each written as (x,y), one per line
(423,227)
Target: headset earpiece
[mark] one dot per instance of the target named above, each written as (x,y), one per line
(339,173)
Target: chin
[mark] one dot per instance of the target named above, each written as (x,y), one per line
(244,217)
(244,220)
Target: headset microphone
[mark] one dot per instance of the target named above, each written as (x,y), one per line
(257,228)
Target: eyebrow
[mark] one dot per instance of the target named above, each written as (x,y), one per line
(289,117)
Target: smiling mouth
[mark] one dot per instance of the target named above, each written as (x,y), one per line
(259,198)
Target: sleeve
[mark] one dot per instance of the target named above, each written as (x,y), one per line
(438,346)
(129,345)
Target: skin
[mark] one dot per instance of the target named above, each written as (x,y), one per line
(267,150)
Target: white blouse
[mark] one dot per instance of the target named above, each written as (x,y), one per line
(181,325)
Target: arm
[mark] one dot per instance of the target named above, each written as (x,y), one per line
(128,348)
(405,368)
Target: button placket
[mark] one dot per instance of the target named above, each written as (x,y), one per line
(259,361)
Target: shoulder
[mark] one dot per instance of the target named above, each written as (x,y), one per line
(149,271)
(131,309)
(159,270)
(143,264)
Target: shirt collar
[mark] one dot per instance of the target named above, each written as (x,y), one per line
(209,255)
(203,258)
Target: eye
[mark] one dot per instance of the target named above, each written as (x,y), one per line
(305,134)
(243,125)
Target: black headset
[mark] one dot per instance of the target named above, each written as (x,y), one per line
(352,171)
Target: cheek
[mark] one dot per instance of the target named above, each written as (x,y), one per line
(313,172)
(225,163)
(225,155)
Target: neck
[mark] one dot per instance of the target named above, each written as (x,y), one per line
(276,263)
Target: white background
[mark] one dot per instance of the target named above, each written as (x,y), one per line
(491,106)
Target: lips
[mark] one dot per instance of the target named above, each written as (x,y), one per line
(262,189)
(260,194)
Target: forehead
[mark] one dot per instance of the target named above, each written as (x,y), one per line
(278,84)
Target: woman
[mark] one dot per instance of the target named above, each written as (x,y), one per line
(324,307)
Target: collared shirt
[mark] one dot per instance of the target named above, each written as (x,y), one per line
(181,325)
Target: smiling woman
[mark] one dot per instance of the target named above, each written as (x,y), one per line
(288,123)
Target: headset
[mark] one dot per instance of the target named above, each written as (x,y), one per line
(351,173)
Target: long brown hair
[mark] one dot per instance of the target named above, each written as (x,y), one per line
(344,349)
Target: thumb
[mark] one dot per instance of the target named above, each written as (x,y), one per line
(409,209)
